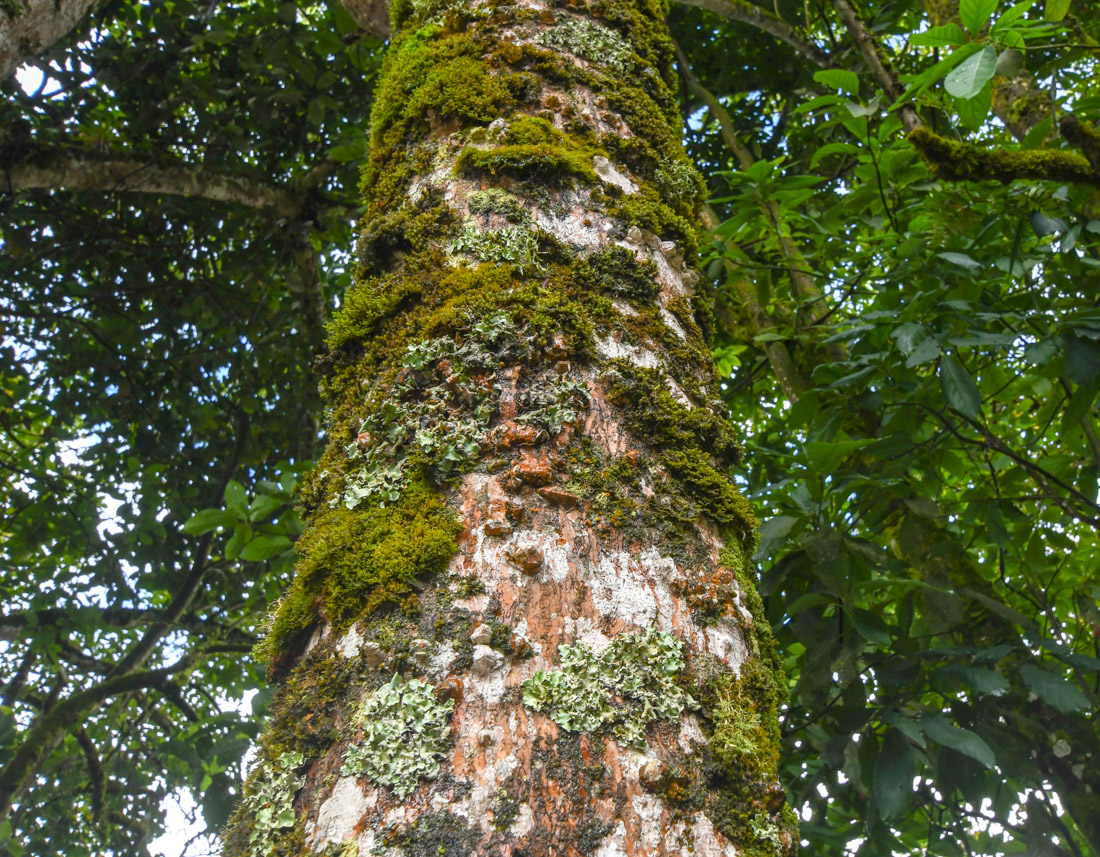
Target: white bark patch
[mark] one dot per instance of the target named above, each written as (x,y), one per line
(614,349)
(609,174)
(349,644)
(707,842)
(615,844)
(525,821)
(621,591)
(341,812)
(725,642)
(440,663)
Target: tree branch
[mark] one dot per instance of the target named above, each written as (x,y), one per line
(27,166)
(753,15)
(879,65)
(956,161)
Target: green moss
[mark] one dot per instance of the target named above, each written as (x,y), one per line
(547,162)
(712,489)
(616,271)
(956,161)
(354,561)
(747,803)
(648,209)
(309,703)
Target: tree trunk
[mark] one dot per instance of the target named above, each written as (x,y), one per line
(29,27)
(523,621)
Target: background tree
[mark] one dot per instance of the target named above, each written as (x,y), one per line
(912,363)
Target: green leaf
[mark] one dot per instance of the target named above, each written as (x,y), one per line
(871,627)
(972,74)
(236,500)
(1082,359)
(975,14)
(1056,10)
(983,681)
(773,533)
(206,520)
(264,547)
(1053,689)
(894,772)
(262,506)
(939,37)
(959,389)
(839,79)
(973,111)
(943,732)
(961,259)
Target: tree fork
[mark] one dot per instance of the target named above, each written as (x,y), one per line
(523,620)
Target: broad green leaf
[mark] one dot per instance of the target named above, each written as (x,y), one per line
(871,627)
(961,259)
(839,79)
(1053,689)
(1009,63)
(943,732)
(1056,10)
(983,681)
(974,111)
(959,389)
(773,533)
(1082,358)
(264,547)
(894,772)
(975,14)
(968,79)
(206,520)
(262,506)
(236,500)
(939,37)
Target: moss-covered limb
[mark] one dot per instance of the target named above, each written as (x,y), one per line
(954,160)
(1082,135)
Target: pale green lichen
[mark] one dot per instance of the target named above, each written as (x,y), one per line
(620,691)
(438,413)
(500,202)
(405,735)
(516,245)
(591,42)
(269,799)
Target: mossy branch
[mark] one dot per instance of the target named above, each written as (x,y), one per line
(953,160)
(1083,136)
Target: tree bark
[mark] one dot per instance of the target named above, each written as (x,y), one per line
(28,27)
(523,621)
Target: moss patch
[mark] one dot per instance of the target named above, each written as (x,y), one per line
(354,561)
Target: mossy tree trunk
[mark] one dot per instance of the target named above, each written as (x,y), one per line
(523,621)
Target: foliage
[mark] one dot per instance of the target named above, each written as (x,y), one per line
(156,399)
(928,458)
